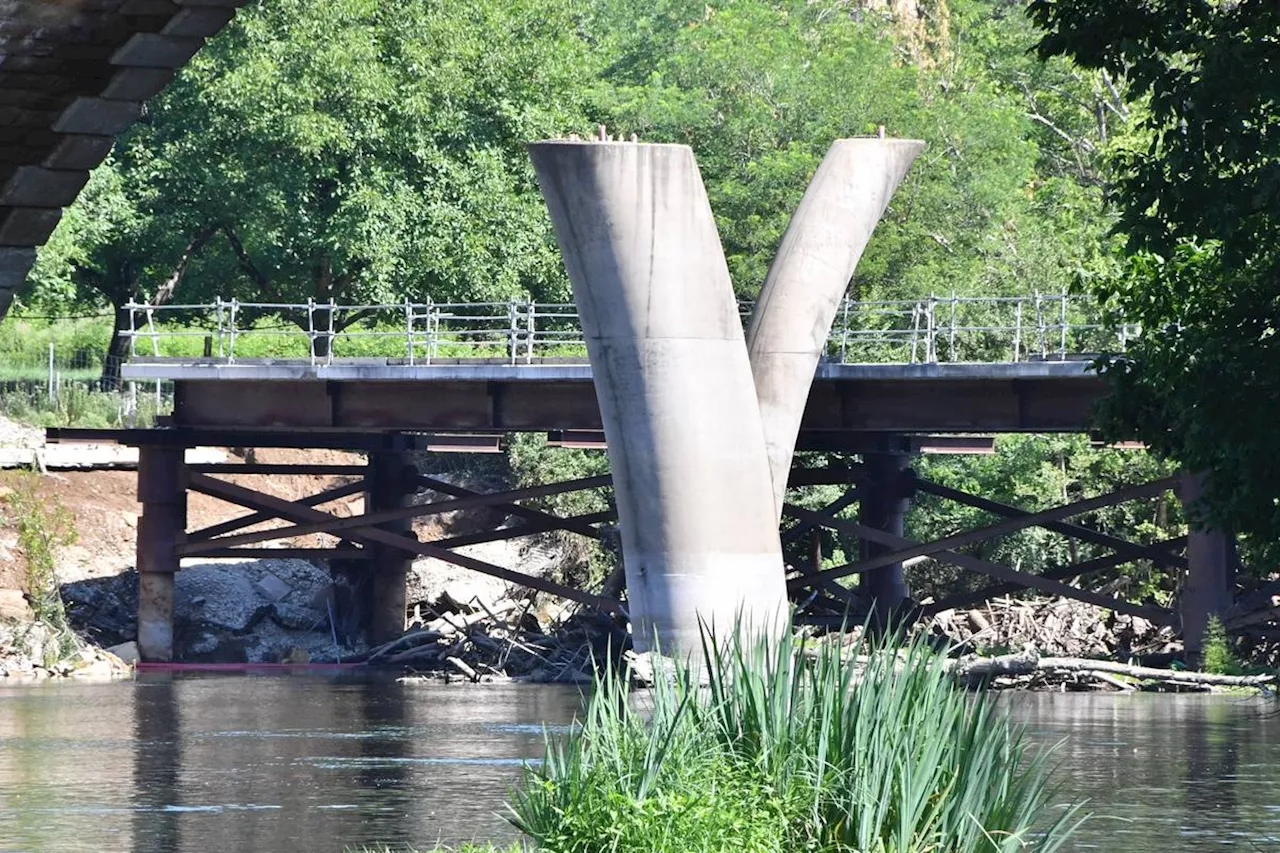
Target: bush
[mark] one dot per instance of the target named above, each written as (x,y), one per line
(873,751)
(1216,654)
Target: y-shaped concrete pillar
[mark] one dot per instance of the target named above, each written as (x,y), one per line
(808,278)
(690,473)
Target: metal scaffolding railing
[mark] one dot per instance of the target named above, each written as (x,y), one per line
(927,330)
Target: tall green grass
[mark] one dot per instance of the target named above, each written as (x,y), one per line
(873,751)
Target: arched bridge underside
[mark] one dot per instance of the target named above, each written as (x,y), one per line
(73,76)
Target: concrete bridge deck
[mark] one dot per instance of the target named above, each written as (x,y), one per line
(382,395)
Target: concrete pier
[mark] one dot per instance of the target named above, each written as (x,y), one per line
(808,279)
(677,398)
(162,492)
(390,485)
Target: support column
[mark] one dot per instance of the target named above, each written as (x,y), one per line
(390,484)
(162,491)
(686,445)
(884,498)
(1209,585)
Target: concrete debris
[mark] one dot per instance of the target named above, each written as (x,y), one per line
(272,588)
(502,640)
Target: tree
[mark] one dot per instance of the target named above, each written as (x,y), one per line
(1199,205)
(974,216)
(353,151)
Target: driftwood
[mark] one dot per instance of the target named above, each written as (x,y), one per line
(1028,662)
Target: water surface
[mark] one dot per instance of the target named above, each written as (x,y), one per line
(308,764)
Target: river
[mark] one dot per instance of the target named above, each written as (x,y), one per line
(311,764)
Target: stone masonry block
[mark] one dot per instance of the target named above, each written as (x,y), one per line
(148,7)
(198,21)
(137,84)
(151,50)
(27,226)
(79,151)
(15,263)
(36,186)
(97,116)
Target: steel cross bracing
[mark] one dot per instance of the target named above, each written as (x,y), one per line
(1005,329)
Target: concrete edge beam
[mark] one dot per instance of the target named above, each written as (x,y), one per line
(15,263)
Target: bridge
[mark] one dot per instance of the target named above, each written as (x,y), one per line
(75,75)
(885,380)
(938,364)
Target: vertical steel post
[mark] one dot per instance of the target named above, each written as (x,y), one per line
(389,484)
(883,500)
(162,491)
(1209,586)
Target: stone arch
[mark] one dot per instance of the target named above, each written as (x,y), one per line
(73,76)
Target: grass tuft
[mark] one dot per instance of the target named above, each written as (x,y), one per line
(874,751)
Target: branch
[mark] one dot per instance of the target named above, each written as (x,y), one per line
(165,291)
(246,263)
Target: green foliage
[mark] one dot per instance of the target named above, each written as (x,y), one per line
(43,527)
(1035,473)
(872,750)
(1200,207)
(1217,654)
(973,215)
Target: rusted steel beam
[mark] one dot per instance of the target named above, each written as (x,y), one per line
(802,527)
(163,495)
(306,516)
(206,533)
(504,533)
(1135,550)
(1002,528)
(1060,573)
(972,564)
(256,468)
(203,482)
(292,553)
(513,509)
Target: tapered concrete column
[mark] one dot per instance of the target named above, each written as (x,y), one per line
(163,493)
(690,474)
(883,502)
(390,485)
(1210,582)
(808,279)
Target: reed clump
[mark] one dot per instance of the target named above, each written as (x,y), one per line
(871,749)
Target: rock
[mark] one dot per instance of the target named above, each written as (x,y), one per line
(127,652)
(272,588)
(100,668)
(229,600)
(298,618)
(14,605)
(296,654)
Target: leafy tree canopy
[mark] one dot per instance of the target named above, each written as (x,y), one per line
(1199,204)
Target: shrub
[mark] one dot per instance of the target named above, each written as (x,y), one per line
(1216,654)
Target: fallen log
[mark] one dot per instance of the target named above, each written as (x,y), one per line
(1028,661)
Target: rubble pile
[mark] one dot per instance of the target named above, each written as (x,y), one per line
(1056,626)
(478,641)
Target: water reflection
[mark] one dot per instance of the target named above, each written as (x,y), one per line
(157,759)
(191,764)
(1164,773)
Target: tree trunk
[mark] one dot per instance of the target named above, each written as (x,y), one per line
(117,350)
